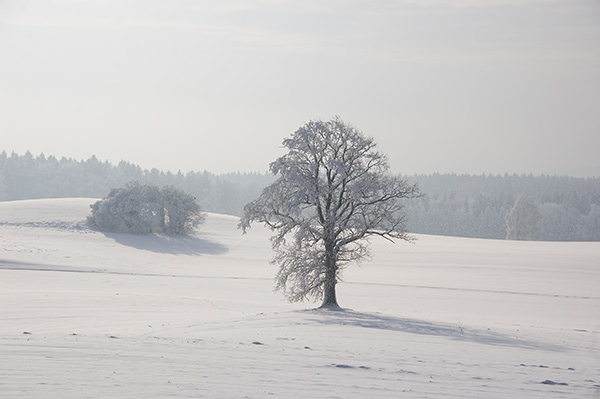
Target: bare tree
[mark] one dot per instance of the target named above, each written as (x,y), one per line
(333,192)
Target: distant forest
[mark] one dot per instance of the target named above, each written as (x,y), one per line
(557,208)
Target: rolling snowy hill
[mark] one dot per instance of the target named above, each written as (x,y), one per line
(90,314)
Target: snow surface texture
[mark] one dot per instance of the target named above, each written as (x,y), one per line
(98,315)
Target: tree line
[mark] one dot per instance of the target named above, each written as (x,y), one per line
(480,206)
(27,177)
(454,205)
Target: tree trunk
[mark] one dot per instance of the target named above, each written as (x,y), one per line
(329,298)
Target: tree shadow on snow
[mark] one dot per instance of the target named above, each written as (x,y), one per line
(175,245)
(421,327)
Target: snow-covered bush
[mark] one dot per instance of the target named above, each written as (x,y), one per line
(146,209)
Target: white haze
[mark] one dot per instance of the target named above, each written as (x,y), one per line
(96,315)
(468,86)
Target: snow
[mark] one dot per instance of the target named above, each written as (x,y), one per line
(96,315)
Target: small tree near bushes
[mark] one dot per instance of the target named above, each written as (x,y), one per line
(523,220)
(146,209)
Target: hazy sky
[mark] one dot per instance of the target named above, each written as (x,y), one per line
(464,86)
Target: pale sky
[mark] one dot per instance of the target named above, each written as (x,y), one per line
(463,86)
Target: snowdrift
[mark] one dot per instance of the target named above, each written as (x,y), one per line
(91,314)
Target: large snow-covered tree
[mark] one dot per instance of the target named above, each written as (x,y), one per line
(332,193)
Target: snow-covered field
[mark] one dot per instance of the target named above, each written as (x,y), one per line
(85,314)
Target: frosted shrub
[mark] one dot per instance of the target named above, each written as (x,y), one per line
(146,209)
